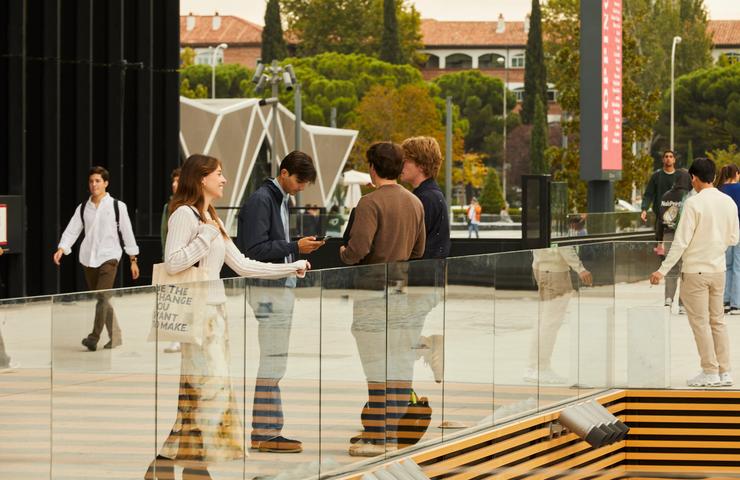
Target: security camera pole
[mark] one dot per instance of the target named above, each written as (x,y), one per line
(273,74)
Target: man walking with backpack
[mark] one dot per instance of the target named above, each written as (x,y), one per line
(107,228)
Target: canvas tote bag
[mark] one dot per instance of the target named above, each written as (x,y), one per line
(180,307)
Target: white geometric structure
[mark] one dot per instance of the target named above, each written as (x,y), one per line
(234,129)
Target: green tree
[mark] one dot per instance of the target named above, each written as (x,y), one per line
(535,73)
(273,42)
(707,106)
(538,163)
(492,198)
(187,57)
(656,22)
(393,114)
(232,81)
(333,80)
(480,100)
(352,26)
(722,157)
(390,47)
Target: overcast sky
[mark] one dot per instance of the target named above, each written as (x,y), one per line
(254,10)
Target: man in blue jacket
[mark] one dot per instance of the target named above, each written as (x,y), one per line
(264,234)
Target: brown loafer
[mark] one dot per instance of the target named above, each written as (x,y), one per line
(278,444)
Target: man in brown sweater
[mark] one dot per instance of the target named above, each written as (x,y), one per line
(389,222)
(388,227)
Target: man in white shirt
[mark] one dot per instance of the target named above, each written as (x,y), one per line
(107,227)
(708,225)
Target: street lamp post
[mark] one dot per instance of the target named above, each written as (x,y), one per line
(502,61)
(274,74)
(676,41)
(214,53)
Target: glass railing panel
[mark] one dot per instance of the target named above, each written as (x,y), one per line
(353,366)
(469,343)
(553,357)
(642,321)
(516,374)
(582,224)
(415,353)
(596,325)
(200,381)
(103,384)
(25,388)
(282,383)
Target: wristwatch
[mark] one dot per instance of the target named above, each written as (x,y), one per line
(133,259)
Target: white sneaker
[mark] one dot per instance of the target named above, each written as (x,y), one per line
(11,367)
(668,302)
(173,347)
(546,376)
(725,379)
(432,351)
(705,380)
(681,310)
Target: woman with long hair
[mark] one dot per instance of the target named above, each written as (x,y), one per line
(208,427)
(727,183)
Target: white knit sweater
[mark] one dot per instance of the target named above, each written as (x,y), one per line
(189,241)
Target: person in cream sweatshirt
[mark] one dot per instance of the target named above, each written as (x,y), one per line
(708,225)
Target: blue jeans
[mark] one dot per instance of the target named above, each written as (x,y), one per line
(473,227)
(732,276)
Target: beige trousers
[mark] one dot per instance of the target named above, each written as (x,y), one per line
(702,295)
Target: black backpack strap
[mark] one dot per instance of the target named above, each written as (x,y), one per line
(82,215)
(117,212)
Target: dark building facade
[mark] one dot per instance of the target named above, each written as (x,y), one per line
(82,83)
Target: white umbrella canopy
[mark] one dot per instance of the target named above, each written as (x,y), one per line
(353,180)
(353,177)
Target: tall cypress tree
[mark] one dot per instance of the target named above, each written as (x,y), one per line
(538,164)
(390,45)
(273,43)
(535,73)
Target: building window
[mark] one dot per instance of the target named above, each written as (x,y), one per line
(459,61)
(491,60)
(733,57)
(519,92)
(203,56)
(552,95)
(517,61)
(432,61)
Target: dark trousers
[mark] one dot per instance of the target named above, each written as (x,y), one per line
(102,278)
(272,304)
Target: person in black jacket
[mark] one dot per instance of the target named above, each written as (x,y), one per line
(670,211)
(263,233)
(660,182)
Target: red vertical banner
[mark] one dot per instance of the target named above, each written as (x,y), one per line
(611,84)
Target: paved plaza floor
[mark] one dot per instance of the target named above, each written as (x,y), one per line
(71,414)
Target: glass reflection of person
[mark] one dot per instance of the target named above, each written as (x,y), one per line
(6,363)
(551,268)
(388,227)
(208,427)
(263,233)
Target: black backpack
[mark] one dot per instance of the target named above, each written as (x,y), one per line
(117,212)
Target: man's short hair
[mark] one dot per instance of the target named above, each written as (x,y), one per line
(386,158)
(100,171)
(175,174)
(666,152)
(704,169)
(424,152)
(301,165)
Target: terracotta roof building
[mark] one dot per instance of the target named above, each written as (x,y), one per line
(244,38)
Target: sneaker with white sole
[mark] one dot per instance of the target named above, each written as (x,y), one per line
(432,351)
(546,376)
(681,310)
(705,380)
(725,379)
(668,302)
